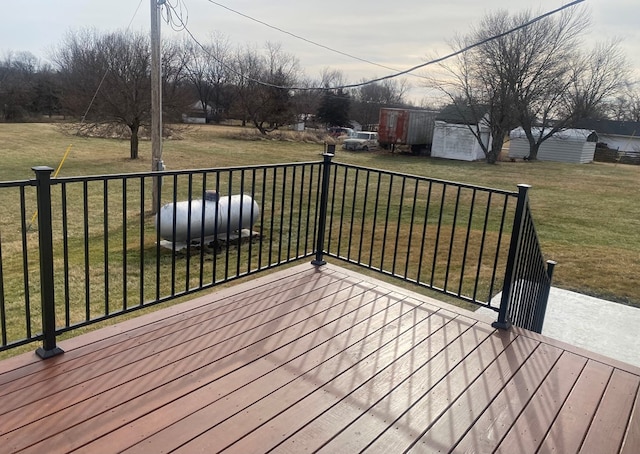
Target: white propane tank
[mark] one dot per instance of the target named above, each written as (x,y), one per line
(218,219)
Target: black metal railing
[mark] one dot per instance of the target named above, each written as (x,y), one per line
(446,236)
(469,242)
(528,279)
(99,252)
(96,252)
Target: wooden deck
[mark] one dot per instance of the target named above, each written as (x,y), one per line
(317,359)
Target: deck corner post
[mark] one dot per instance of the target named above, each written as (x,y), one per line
(45,243)
(324,201)
(544,298)
(511,267)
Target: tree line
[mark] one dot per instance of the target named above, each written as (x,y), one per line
(103,78)
(537,77)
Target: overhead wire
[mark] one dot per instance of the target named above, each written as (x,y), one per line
(378,79)
(364,60)
(104,76)
(83,118)
(175,9)
(472,46)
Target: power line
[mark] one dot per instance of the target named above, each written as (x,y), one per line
(82,120)
(468,48)
(177,8)
(390,76)
(184,27)
(134,15)
(104,76)
(364,60)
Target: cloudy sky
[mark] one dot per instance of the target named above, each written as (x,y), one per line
(398,34)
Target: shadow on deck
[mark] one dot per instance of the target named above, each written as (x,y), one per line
(317,359)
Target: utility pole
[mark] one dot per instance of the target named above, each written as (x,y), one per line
(156,101)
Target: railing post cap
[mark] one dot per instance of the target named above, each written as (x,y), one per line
(329,150)
(42,169)
(524,186)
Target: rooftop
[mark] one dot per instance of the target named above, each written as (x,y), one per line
(618,128)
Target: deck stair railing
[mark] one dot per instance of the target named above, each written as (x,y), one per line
(95,252)
(528,279)
(465,241)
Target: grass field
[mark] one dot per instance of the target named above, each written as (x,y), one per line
(587,216)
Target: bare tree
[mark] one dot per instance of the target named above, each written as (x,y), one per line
(18,81)
(632,111)
(261,86)
(305,102)
(331,78)
(176,92)
(535,76)
(106,79)
(626,106)
(369,98)
(595,78)
(115,67)
(209,71)
(533,63)
(479,99)
(580,92)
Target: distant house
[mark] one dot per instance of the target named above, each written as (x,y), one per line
(618,135)
(569,145)
(197,114)
(453,138)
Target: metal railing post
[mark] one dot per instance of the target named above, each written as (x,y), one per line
(45,243)
(514,246)
(544,297)
(324,201)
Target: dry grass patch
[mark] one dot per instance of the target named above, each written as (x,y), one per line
(587,216)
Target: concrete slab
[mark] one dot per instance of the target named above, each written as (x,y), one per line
(600,326)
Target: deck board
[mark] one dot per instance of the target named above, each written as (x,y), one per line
(365,383)
(118,338)
(317,359)
(463,412)
(287,365)
(572,423)
(609,423)
(538,416)
(213,355)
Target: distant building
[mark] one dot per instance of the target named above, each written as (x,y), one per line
(199,115)
(452,135)
(617,135)
(569,145)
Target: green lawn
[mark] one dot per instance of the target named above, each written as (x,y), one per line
(587,216)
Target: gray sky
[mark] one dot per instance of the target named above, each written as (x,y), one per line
(399,34)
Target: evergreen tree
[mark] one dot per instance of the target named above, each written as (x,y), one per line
(334,108)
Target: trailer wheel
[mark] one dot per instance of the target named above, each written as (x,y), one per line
(365,148)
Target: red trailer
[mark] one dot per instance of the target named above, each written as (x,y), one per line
(413,128)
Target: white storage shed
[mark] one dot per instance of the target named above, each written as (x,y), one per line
(570,145)
(456,141)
